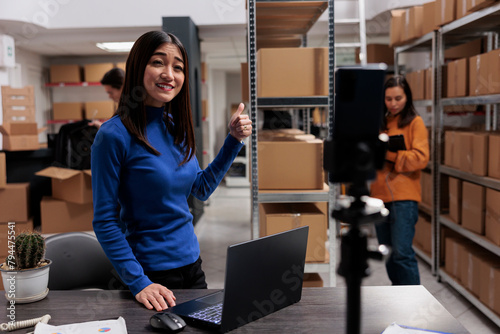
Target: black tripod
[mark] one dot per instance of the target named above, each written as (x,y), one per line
(354,252)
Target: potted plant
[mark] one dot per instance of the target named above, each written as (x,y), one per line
(25,272)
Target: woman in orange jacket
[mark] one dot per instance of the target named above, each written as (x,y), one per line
(398,184)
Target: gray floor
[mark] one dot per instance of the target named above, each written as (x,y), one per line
(227,221)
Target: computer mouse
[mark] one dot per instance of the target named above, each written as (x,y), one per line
(168,322)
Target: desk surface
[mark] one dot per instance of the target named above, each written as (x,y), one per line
(321,310)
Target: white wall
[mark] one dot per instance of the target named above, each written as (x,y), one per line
(61,14)
(217,107)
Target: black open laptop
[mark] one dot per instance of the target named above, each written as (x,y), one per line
(262,276)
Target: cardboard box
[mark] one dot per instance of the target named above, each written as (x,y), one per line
(489,289)
(69,184)
(67,110)
(14,114)
(3,171)
(95,72)
(461,9)
(416,81)
(492,216)
(426,236)
(470,268)
(458,78)
(415,26)
(280,217)
(494,72)
(99,109)
(473,207)
(445,12)
(12,229)
(245,90)
(478,74)
(61,216)
(455,199)
(204,109)
(24,96)
(426,186)
(65,73)
(449,148)
(377,53)
(451,262)
(474,5)
(277,72)
(290,164)
(20,136)
(397,26)
(312,280)
(429,21)
(14,203)
(465,50)
(473,151)
(493,156)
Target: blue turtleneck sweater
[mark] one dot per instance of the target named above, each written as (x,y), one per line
(152,192)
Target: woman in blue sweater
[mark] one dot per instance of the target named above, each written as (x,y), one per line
(143,162)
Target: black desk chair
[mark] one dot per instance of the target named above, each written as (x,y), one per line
(78,262)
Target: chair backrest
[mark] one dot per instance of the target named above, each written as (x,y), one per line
(78,262)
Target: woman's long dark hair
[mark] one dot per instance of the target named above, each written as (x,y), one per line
(408,113)
(131,108)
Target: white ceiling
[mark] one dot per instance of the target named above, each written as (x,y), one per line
(223,44)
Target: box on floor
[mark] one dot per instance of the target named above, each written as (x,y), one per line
(14,202)
(69,184)
(59,216)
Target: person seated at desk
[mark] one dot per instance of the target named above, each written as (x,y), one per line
(112,81)
(143,160)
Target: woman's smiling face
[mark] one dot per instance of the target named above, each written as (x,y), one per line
(164,75)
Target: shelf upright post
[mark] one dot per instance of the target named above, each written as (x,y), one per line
(334,189)
(252,76)
(436,138)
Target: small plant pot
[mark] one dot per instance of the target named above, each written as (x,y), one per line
(26,285)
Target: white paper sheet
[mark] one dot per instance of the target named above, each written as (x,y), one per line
(117,326)
(397,329)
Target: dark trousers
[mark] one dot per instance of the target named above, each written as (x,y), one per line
(398,232)
(187,277)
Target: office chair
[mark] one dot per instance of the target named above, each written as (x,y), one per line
(78,262)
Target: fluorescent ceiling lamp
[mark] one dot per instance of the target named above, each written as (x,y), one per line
(115,46)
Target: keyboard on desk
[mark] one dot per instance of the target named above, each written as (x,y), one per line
(212,314)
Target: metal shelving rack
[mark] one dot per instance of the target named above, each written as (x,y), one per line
(483,23)
(273,23)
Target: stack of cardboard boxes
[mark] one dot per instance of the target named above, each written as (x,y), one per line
(409,24)
(14,210)
(89,74)
(475,208)
(475,153)
(19,129)
(70,207)
(290,160)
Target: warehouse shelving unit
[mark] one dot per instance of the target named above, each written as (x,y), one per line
(483,23)
(285,24)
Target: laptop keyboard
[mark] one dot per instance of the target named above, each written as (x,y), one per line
(211,314)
